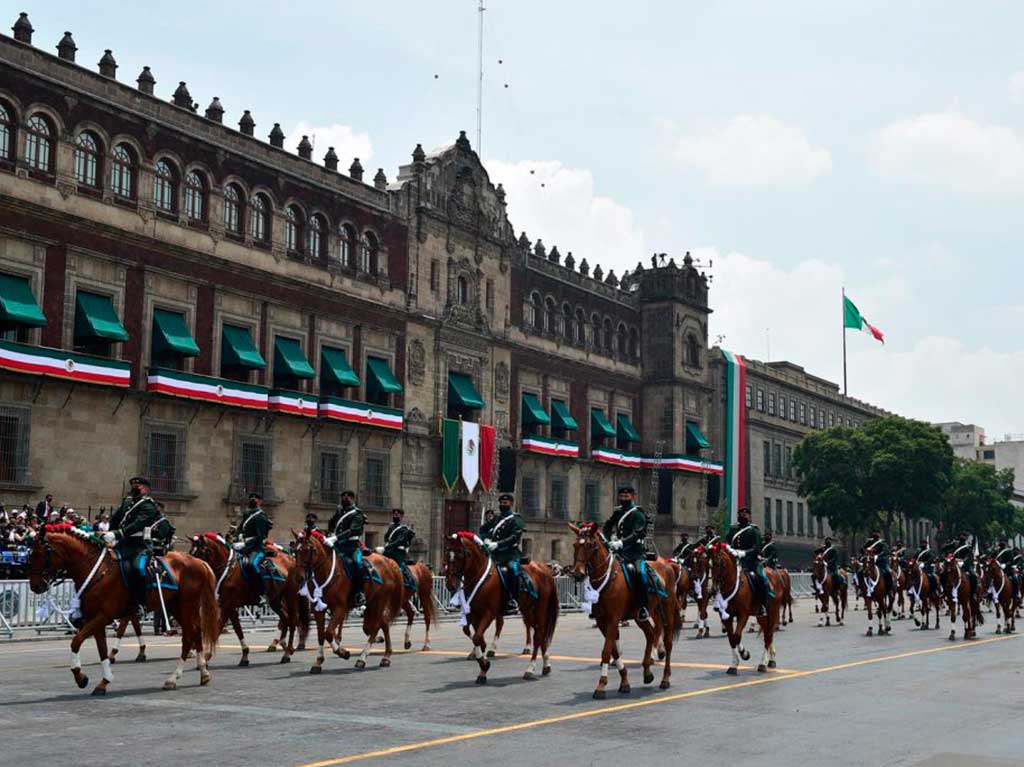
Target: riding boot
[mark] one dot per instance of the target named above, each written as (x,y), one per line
(641,593)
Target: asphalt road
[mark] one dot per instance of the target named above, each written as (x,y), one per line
(839,697)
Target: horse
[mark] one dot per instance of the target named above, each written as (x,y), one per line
(919,588)
(469,568)
(236,590)
(701,585)
(102,597)
(424,580)
(319,566)
(609,600)
(786,602)
(999,585)
(122,626)
(827,589)
(876,594)
(959,593)
(683,585)
(740,604)
(899,585)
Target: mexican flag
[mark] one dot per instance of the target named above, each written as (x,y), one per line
(470,454)
(852,318)
(467,451)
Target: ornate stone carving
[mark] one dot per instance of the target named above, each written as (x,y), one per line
(417,362)
(501,382)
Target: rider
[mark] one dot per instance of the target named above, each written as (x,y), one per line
(397,540)
(626,531)
(682,551)
(252,534)
(128,532)
(879,549)
(310,524)
(899,552)
(1005,555)
(926,558)
(963,552)
(502,541)
(162,533)
(345,532)
(769,555)
(710,538)
(745,540)
(488,525)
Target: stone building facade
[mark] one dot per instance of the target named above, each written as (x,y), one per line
(181,298)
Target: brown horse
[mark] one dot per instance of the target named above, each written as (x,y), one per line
(327,585)
(472,576)
(959,593)
(827,589)
(786,597)
(609,600)
(683,585)
(877,598)
(919,589)
(899,586)
(700,581)
(1000,587)
(424,580)
(235,590)
(736,603)
(102,597)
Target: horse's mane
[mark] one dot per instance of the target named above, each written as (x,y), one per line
(76,532)
(213,537)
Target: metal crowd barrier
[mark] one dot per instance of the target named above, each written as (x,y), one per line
(802,584)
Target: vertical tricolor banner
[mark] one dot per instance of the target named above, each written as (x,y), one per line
(451,447)
(470,454)
(735,434)
(487,457)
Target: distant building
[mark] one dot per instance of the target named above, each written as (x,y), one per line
(965,438)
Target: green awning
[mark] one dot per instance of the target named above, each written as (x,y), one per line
(533,411)
(237,349)
(462,392)
(289,359)
(561,417)
(599,426)
(380,376)
(171,336)
(335,368)
(17,304)
(95,318)
(695,439)
(626,430)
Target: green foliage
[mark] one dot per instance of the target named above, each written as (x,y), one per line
(978,502)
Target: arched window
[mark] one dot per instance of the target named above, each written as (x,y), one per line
(368,252)
(622,340)
(609,336)
(568,325)
(87,160)
(315,238)
(195,196)
(122,172)
(293,229)
(594,330)
(462,290)
(259,219)
(39,144)
(692,351)
(634,343)
(581,327)
(536,317)
(346,239)
(7,130)
(233,210)
(165,187)
(549,315)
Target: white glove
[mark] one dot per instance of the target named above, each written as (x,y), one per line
(491,545)
(109,537)
(615,544)
(238,545)
(738,553)
(379,549)
(331,540)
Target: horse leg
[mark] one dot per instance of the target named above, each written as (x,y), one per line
(334,630)
(89,629)
(867,606)
(499,624)
(410,614)
(318,664)
(610,640)
(122,625)
(529,639)
(734,643)
(101,645)
(385,662)
(195,631)
(137,628)
(237,626)
(278,640)
(480,654)
(620,666)
(171,683)
(531,667)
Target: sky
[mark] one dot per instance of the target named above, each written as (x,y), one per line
(795,147)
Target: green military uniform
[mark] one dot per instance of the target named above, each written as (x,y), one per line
(770,555)
(709,540)
(128,525)
(397,540)
(746,538)
(347,528)
(503,542)
(964,553)
(682,551)
(629,527)
(1005,556)
(879,549)
(926,558)
(162,535)
(252,534)
(486,527)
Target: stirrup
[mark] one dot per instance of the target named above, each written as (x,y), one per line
(642,614)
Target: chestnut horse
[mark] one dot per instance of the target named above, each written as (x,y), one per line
(424,580)
(472,576)
(957,585)
(786,598)
(700,581)
(683,585)
(1000,587)
(235,590)
(327,585)
(899,585)
(919,589)
(609,601)
(102,597)
(740,604)
(827,589)
(877,598)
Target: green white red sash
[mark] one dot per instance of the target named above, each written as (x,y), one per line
(39,360)
(546,446)
(177,384)
(360,412)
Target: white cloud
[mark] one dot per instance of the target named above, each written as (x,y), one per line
(950,150)
(559,205)
(346,142)
(752,151)
(1017,87)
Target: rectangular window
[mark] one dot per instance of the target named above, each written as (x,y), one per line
(778,516)
(821,419)
(782,407)
(254,465)
(558,502)
(771,403)
(433,276)
(799,517)
(789,462)
(789,517)
(749,396)
(591,502)
(777,461)
(489,296)
(14,434)
(329,478)
(814,416)
(760,400)
(376,480)
(530,497)
(767,514)
(165,458)
(792,410)
(803,413)
(831,419)
(767,458)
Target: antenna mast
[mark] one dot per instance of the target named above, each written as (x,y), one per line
(480,80)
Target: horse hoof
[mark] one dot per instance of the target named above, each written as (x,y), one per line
(481,679)
(999,630)
(490,653)
(625,689)
(870,632)
(204,678)
(761,668)
(168,685)
(360,663)
(529,676)
(772,664)
(426,648)
(745,654)
(82,682)
(408,645)
(243,663)
(113,658)
(648,677)
(385,662)
(140,658)
(286,658)
(661,653)
(302,646)
(272,648)
(487,666)
(345,655)
(316,670)
(600,694)
(665,684)
(545,671)
(100,691)
(526,651)
(731,671)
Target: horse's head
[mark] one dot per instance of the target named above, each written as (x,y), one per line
(458,552)
(210,548)
(586,548)
(818,568)
(722,561)
(309,550)
(698,562)
(48,556)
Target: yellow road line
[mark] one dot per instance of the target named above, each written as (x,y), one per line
(579,659)
(423,744)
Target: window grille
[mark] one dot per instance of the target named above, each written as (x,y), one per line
(14,444)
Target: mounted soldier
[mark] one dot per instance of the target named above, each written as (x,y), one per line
(681,553)
(769,554)
(710,538)
(251,536)
(310,525)
(830,557)
(397,540)
(1005,556)
(626,531)
(488,525)
(345,535)
(502,541)
(879,549)
(129,534)
(963,552)
(745,539)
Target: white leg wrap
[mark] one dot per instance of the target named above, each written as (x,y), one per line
(735,657)
(532,667)
(178,670)
(366,650)
(116,644)
(335,645)
(245,648)
(494,644)
(320,652)
(408,633)
(619,664)
(108,675)
(76,661)
(765,657)
(604,670)
(477,652)
(546,663)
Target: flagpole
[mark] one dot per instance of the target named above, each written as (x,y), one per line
(844,340)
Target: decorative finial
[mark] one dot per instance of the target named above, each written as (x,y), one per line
(305,149)
(380,181)
(462,142)
(418,155)
(108,67)
(331,159)
(182,97)
(146,81)
(215,111)
(277,136)
(66,47)
(247,125)
(23,29)
(355,170)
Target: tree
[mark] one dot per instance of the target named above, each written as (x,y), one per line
(977,502)
(832,466)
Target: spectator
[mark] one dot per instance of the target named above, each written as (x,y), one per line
(44,507)
(102,523)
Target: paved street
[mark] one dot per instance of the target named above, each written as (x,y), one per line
(839,697)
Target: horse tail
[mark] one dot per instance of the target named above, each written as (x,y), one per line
(209,611)
(552,609)
(425,591)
